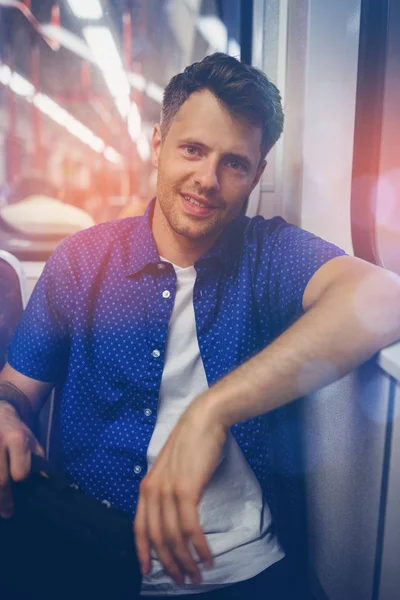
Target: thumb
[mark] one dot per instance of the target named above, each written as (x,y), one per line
(37,449)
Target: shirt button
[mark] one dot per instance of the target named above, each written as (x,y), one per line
(155,353)
(161,266)
(137,469)
(166,294)
(147,412)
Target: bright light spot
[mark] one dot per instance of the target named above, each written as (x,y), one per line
(214,32)
(234,48)
(152,90)
(388,199)
(5,74)
(364,187)
(62,117)
(105,51)
(108,59)
(21,86)
(113,156)
(134,122)
(51,109)
(123,105)
(388,220)
(69,40)
(137,81)
(86,9)
(55,112)
(155,92)
(143,147)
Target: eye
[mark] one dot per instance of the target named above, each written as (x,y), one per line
(236,165)
(191,150)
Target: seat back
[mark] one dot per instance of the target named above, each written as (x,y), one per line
(13,297)
(347,434)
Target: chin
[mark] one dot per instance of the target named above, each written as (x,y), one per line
(195,231)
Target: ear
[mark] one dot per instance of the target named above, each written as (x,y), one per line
(259,172)
(156,142)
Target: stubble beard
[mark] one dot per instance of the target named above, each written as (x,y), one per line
(183,224)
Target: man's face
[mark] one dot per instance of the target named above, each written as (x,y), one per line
(208,163)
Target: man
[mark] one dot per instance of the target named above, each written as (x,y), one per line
(175,334)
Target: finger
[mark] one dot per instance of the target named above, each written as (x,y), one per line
(19,454)
(37,448)
(141,537)
(188,515)
(158,540)
(177,544)
(6,501)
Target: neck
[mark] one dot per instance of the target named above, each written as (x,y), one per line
(174,247)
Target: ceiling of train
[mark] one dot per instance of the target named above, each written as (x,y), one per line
(158,39)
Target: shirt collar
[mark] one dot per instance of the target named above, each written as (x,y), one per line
(226,248)
(142,247)
(143,250)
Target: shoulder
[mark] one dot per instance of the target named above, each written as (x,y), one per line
(278,233)
(275,242)
(100,237)
(263,234)
(91,247)
(259,228)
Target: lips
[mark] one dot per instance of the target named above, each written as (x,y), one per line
(196,206)
(197,201)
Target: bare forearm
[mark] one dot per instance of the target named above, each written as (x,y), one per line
(26,395)
(330,340)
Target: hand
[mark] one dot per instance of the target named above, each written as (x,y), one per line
(167,515)
(17,442)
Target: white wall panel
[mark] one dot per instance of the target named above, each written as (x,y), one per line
(330,93)
(345,431)
(390,574)
(310,49)
(269,53)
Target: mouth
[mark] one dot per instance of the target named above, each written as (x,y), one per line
(197,206)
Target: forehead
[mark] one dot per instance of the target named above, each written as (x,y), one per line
(202,117)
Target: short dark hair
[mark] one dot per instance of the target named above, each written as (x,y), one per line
(245,91)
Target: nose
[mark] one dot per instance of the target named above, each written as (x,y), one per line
(206,175)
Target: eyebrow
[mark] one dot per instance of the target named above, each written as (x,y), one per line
(230,155)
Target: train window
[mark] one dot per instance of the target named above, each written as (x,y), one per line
(376,172)
(81,85)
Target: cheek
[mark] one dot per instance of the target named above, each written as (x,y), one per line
(235,189)
(176,171)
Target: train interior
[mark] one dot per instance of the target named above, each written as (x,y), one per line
(81,85)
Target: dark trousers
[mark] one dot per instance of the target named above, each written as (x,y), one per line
(275,583)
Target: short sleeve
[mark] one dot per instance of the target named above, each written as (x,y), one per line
(290,256)
(39,347)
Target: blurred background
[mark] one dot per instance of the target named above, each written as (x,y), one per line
(81,85)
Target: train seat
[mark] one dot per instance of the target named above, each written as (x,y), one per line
(12,299)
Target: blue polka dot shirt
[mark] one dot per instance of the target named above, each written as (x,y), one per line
(97,325)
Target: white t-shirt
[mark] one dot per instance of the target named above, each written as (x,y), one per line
(233,516)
